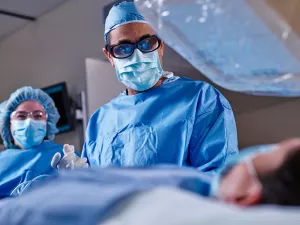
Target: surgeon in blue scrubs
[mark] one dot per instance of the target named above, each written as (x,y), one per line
(159,118)
(28,126)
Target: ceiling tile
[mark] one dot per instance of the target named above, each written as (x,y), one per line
(9,24)
(33,8)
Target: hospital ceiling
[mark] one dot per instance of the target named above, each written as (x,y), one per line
(16,13)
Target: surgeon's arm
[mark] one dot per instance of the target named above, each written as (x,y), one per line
(214,137)
(84,153)
(89,150)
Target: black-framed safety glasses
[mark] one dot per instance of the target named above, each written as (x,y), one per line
(125,50)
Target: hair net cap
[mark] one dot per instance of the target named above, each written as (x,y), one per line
(19,96)
(121,14)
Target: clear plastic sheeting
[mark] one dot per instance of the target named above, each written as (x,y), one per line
(249,46)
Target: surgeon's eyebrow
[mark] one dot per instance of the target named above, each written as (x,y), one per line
(126,41)
(145,36)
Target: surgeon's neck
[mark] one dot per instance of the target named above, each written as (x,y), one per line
(130,91)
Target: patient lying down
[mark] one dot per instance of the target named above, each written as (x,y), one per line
(87,196)
(270,177)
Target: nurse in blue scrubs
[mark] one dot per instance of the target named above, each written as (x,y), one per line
(28,126)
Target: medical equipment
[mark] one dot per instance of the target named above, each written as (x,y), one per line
(64,104)
(243,45)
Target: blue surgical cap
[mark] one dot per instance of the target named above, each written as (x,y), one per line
(121,14)
(19,96)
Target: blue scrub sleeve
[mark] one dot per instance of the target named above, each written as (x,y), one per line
(84,152)
(214,136)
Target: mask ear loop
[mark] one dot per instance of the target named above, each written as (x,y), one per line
(249,164)
(252,171)
(251,168)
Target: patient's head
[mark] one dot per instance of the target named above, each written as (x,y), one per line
(283,186)
(268,178)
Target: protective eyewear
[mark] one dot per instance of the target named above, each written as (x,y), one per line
(23,115)
(125,50)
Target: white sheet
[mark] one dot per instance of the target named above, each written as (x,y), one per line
(171,206)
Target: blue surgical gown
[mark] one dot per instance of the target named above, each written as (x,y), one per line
(18,166)
(181,122)
(86,196)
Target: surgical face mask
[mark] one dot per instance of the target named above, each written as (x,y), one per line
(141,71)
(28,133)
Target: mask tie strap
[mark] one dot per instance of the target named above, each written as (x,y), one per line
(251,168)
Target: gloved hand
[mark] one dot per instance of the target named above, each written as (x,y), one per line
(69,161)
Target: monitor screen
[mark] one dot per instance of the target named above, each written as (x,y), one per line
(59,94)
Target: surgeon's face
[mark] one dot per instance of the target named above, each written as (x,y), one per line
(240,187)
(132,33)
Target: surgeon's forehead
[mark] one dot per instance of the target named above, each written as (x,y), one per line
(130,32)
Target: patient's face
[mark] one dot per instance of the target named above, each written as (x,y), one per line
(241,187)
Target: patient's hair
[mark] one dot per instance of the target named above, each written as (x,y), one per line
(283,186)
